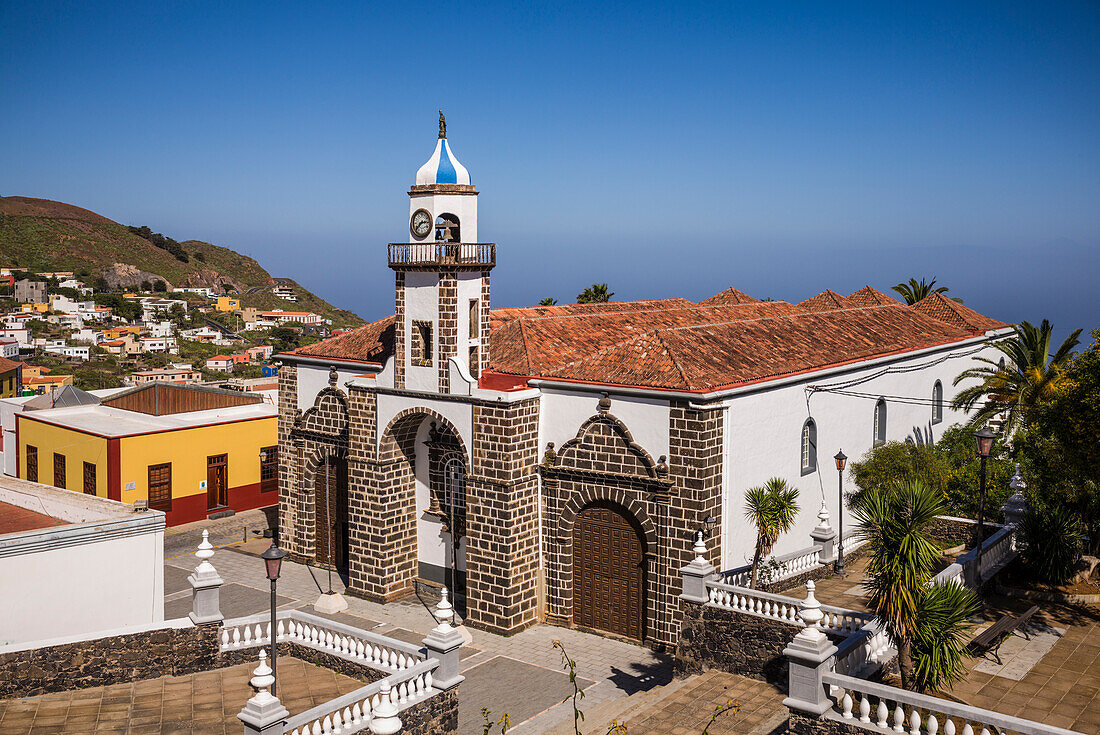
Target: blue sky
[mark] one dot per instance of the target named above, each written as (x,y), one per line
(664,149)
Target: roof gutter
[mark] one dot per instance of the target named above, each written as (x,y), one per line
(374,367)
(705,397)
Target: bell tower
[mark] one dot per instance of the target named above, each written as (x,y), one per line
(441,278)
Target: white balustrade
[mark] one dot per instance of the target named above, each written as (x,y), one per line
(880,708)
(353,712)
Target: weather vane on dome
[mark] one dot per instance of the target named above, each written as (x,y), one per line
(442,125)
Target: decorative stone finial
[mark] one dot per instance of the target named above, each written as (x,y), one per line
(700,547)
(810,612)
(384,720)
(442,125)
(604,404)
(444,612)
(1015,508)
(823,518)
(549,457)
(662,466)
(1017,483)
(333,376)
(262,679)
(206,550)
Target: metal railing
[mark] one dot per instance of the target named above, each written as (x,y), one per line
(442,253)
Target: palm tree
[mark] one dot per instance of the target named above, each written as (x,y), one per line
(915,290)
(1029,376)
(595,294)
(920,619)
(772,508)
(548,301)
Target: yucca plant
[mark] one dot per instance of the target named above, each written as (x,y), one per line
(939,641)
(901,558)
(772,508)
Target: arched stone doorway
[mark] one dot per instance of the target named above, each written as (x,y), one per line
(330,493)
(609,571)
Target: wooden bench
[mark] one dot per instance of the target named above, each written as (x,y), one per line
(992,637)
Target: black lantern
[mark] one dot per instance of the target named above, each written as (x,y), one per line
(984,439)
(841,461)
(710,523)
(273,560)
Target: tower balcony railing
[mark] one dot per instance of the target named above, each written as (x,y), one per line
(442,253)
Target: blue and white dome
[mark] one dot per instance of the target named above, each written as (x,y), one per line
(442,167)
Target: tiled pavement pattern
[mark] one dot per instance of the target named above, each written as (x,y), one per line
(1063,688)
(835,590)
(535,683)
(1019,653)
(693,705)
(206,703)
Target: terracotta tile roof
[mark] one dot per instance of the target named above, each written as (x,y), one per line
(941,307)
(7,365)
(677,345)
(369,343)
(868,296)
(730,296)
(827,300)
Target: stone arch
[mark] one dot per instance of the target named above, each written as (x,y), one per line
(398,437)
(606,494)
(594,449)
(327,416)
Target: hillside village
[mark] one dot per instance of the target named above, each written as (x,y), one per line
(60,330)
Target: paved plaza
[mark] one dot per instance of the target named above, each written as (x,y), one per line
(205,703)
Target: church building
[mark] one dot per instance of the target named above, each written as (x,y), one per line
(552,463)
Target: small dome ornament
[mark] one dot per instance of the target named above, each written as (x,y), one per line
(443,167)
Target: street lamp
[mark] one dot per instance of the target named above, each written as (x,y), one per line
(273,560)
(710,523)
(984,439)
(841,460)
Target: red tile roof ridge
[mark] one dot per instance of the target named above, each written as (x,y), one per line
(872,294)
(934,304)
(658,305)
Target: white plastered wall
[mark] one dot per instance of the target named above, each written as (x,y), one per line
(764,430)
(312,379)
(421,304)
(562,412)
(463,206)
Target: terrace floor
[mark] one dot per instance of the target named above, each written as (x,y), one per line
(206,703)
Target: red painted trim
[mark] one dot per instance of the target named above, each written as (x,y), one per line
(17,472)
(154,431)
(190,508)
(114,469)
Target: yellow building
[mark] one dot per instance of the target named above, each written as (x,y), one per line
(187,450)
(36,308)
(228,304)
(47,383)
(10,381)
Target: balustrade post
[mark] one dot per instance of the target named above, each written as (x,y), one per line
(443,643)
(824,536)
(263,714)
(1015,508)
(205,586)
(810,655)
(696,574)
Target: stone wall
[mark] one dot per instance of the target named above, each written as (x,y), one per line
(959,529)
(800,724)
(439,714)
(713,638)
(102,661)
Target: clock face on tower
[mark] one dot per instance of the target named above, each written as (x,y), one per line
(421,223)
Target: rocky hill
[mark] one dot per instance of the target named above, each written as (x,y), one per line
(43,235)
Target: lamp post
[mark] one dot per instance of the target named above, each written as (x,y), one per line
(273,560)
(841,460)
(984,439)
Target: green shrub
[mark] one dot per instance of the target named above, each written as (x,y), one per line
(1052,542)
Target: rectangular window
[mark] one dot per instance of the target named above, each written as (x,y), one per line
(475,319)
(473,364)
(422,343)
(89,478)
(160,486)
(32,463)
(59,470)
(269,469)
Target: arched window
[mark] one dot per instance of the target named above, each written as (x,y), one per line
(809,447)
(880,422)
(447,228)
(937,402)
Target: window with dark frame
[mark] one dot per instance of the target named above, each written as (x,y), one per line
(422,344)
(880,422)
(59,470)
(937,402)
(473,363)
(89,478)
(474,319)
(160,486)
(32,463)
(269,469)
(809,447)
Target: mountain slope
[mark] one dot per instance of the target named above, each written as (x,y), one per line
(43,235)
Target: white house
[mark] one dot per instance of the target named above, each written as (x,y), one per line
(159,344)
(20,334)
(555,462)
(75,563)
(9,347)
